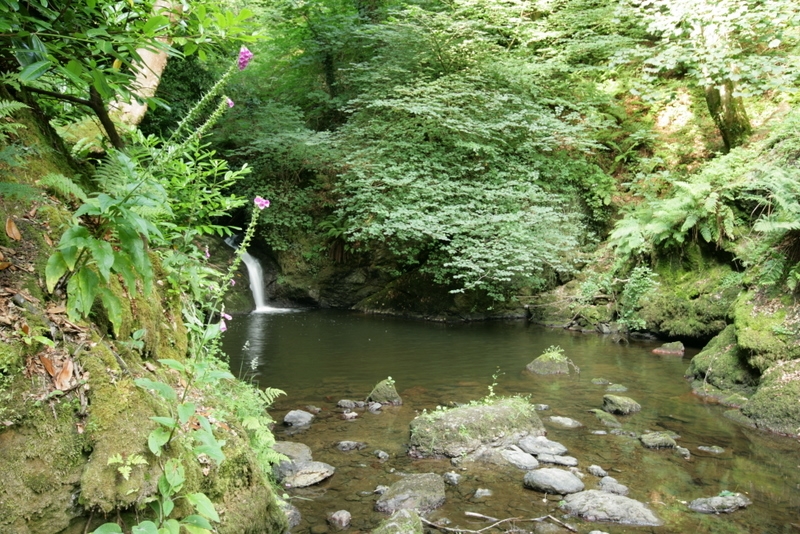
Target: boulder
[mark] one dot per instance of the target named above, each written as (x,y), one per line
(549,363)
(774,405)
(541,445)
(620,405)
(300,475)
(471,429)
(519,458)
(421,492)
(675,348)
(611,485)
(596,505)
(567,461)
(298,418)
(401,522)
(658,440)
(564,422)
(553,481)
(296,452)
(385,393)
(720,504)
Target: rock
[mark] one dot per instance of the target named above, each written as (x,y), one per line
(713,449)
(541,407)
(421,492)
(552,480)
(683,452)
(564,422)
(720,504)
(597,471)
(482,492)
(380,490)
(382,455)
(298,452)
(401,522)
(313,409)
(349,415)
(319,529)
(298,418)
(567,461)
(452,478)
(385,393)
(600,382)
(658,440)
(620,405)
(471,429)
(611,485)
(675,348)
(541,445)
(616,388)
(345,446)
(347,404)
(599,432)
(293,516)
(374,407)
(596,505)
(606,418)
(340,520)
(549,363)
(307,474)
(519,458)
(774,405)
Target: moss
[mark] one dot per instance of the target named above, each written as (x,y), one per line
(723,364)
(776,404)
(766,329)
(691,300)
(385,393)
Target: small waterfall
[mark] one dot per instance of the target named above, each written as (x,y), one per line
(256,275)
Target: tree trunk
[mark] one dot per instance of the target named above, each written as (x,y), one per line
(729,114)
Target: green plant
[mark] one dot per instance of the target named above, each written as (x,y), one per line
(126,465)
(640,282)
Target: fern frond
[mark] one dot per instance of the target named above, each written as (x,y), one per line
(23,192)
(63,186)
(7,108)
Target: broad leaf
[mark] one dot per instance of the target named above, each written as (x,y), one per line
(34,71)
(157,439)
(203,505)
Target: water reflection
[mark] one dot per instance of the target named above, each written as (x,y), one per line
(320,357)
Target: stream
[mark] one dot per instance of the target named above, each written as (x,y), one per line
(319,357)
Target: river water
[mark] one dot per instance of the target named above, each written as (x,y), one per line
(320,357)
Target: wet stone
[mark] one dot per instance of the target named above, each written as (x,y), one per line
(553,481)
(422,492)
(683,452)
(658,440)
(606,418)
(541,407)
(519,458)
(307,474)
(298,418)
(596,505)
(452,478)
(482,492)
(720,504)
(340,520)
(611,485)
(597,471)
(345,446)
(600,382)
(345,403)
(401,522)
(617,404)
(541,445)
(564,422)
(567,461)
(713,449)
(381,455)
(616,388)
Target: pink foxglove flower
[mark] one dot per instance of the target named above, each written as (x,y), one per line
(245,56)
(222,325)
(226,316)
(208,254)
(233,282)
(230,103)
(261,202)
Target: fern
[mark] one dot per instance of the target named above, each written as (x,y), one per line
(22,192)
(63,186)
(7,108)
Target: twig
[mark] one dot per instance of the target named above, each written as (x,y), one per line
(566,526)
(480,516)
(496,523)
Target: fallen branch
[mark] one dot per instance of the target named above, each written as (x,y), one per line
(495,524)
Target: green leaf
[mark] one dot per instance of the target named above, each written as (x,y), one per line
(167,505)
(34,71)
(203,505)
(209,445)
(168,422)
(196,521)
(145,527)
(56,268)
(82,289)
(186,411)
(103,255)
(113,308)
(107,528)
(171,526)
(157,439)
(165,390)
(191,529)
(99,82)
(155,24)
(172,364)
(175,473)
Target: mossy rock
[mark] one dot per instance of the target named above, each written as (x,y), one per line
(691,303)
(401,522)
(723,364)
(460,431)
(549,364)
(767,329)
(775,406)
(385,393)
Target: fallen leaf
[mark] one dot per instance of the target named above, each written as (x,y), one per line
(25,329)
(11,230)
(64,376)
(1,256)
(32,213)
(4,265)
(48,365)
(48,240)
(57,309)
(80,427)
(150,367)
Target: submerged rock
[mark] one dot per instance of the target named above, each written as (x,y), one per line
(401,522)
(553,481)
(675,348)
(616,388)
(421,492)
(720,504)
(472,429)
(564,422)
(298,418)
(301,475)
(714,449)
(596,505)
(620,405)
(658,440)
(567,461)
(606,418)
(345,446)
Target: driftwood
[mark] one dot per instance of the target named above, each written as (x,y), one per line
(495,523)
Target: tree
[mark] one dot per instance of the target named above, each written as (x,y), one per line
(732,48)
(89,52)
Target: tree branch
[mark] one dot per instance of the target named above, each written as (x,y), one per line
(59,96)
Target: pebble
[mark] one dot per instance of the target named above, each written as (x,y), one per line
(541,407)
(597,471)
(382,455)
(452,478)
(482,492)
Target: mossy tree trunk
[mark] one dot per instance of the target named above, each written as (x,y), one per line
(729,114)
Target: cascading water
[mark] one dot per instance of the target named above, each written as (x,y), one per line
(256,275)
